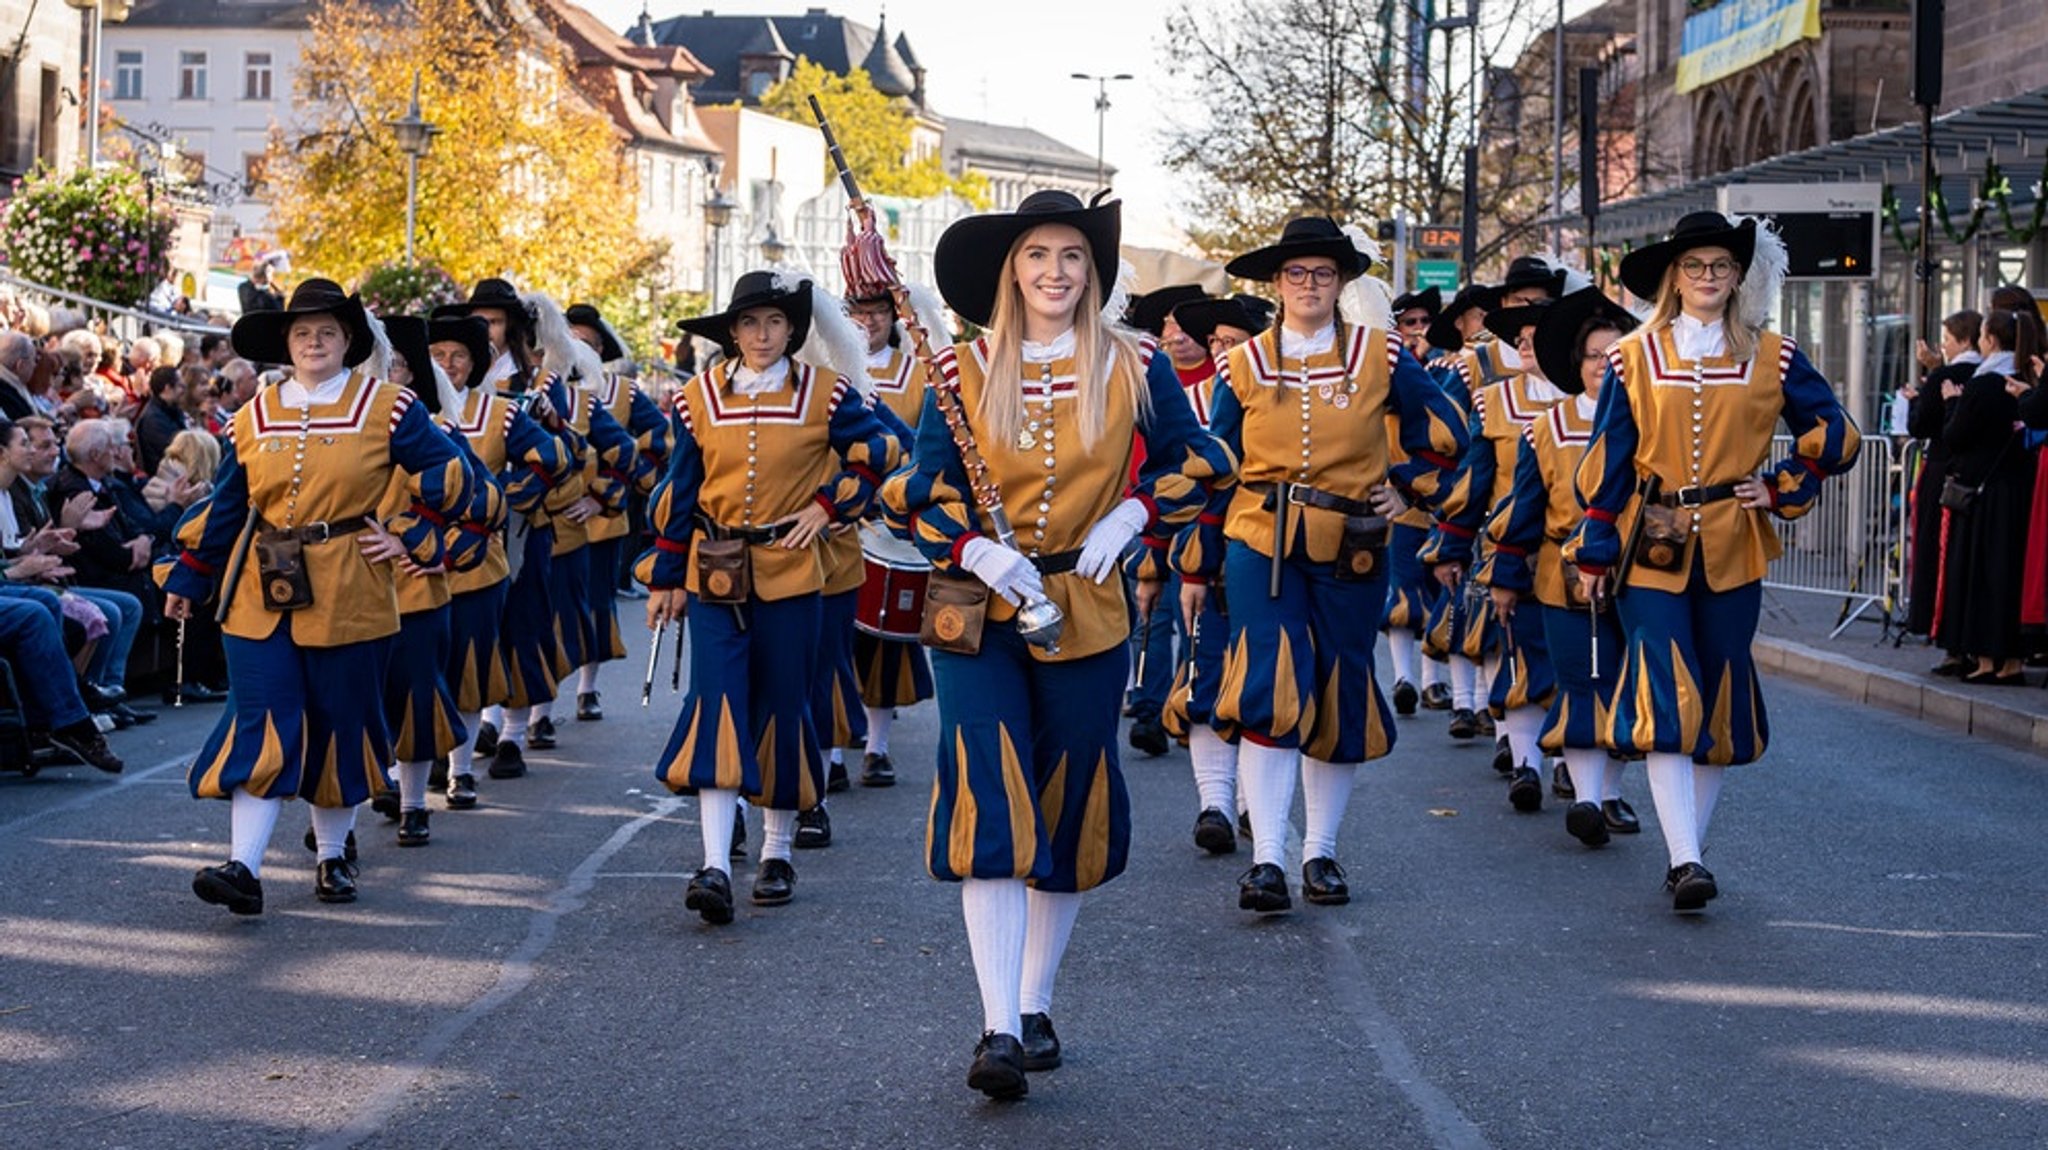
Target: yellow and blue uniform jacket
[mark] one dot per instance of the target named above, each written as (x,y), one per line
(1541,509)
(1500,414)
(524,459)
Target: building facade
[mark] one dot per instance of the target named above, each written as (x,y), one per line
(41,97)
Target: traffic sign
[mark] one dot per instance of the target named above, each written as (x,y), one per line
(1438,239)
(1439,274)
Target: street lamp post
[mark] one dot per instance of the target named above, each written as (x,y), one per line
(415,136)
(773,249)
(717,214)
(102,11)
(1101,114)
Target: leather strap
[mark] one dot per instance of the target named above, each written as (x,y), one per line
(1057,563)
(1697,496)
(319,532)
(1303,496)
(760,536)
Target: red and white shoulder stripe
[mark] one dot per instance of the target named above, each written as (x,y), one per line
(399,406)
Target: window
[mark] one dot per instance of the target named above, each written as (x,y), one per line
(128,74)
(256,175)
(191,75)
(255,75)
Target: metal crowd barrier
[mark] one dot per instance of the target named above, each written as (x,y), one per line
(1852,545)
(124,323)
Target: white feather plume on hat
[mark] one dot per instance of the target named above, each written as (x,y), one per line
(381,354)
(930,309)
(1764,279)
(451,400)
(551,334)
(1117,300)
(1367,301)
(835,343)
(585,369)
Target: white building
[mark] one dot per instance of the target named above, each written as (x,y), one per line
(40,96)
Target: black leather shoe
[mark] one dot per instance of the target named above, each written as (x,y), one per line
(813,829)
(998,1068)
(486,740)
(1464,724)
(1691,886)
(588,709)
(877,771)
(122,712)
(836,779)
(98,698)
(437,775)
(462,792)
(1263,889)
(1951,667)
(1486,723)
(1621,818)
(1405,698)
(334,881)
(230,885)
(386,804)
(541,736)
(775,884)
(509,762)
(1436,697)
(710,895)
(1585,823)
(1213,833)
(1525,791)
(119,721)
(83,741)
(1561,783)
(1041,1045)
(412,829)
(1148,736)
(348,846)
(1503,757)
(194,693)
(1322,883)
(738,849)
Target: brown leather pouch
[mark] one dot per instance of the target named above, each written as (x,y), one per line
(281,567)
(1362,549)
(955,611)
(1575,598)
(725,571)
(1661,544)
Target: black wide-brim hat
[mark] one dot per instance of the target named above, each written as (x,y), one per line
(473,332)
(1429,299)
(1557,334)
(587,315)
(1443,329)
(1528,272)
(491,292)
(408,336)
(1506,323)
(1302,236)
(970,258)
(1149,311)
(1642,270)
(260,336)
(752,290)
(1200,318)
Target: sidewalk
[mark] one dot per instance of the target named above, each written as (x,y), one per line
(1792,639)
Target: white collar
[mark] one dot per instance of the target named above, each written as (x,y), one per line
(747,381)
(1506,356)
(1062,347)
(1588,404)
(292,393)
(1542,389)
(1971,355)
(1697,340)
(1294,345)
(1997,363)
(882,358)
(502,368)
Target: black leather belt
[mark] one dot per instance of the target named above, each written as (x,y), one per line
(1057,563)
(772,533)
(319,532)
(1697,496)
(1302,496)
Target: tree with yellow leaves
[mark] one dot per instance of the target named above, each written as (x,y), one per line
(524,179)
(873,130)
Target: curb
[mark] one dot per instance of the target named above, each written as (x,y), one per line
(1903,693)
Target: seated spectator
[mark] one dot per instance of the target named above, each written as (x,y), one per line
(163,417)
(107,380)
(237,386)
(31,639)
(201,402)
(186,474)
(118,553)
(170,348)
(215,351)
(20,358)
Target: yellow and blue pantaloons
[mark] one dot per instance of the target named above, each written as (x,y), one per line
(1412,595)
(301,722)
(1029,785)
(746,721)
(1687,683)
(892,672)
(526,636)
(1527,677)
(602,591)
(835,687)
(1200,676)
(418,707)
(568,589)
(476,662)
(1578,711)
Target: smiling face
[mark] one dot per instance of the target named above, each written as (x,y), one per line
(762,334)
(453,356)
(876,317)
(1593,359)
(1705,278)
(1050,264)
(1308,287)
(1179,346)
(318,345)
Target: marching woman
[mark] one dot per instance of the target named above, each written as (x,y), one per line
(524,461)
(768,451)
(1677,500)
(292,544)
(621,399)
(1306,407)
(1411,592)
(1581,642)
(1038,430)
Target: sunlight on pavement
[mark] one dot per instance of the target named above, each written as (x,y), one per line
(2004,1078)
(1845,1001)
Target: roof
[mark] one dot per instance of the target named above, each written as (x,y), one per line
(1016,145)
(835,43)
(1963,138)
(594,42)
(886,70)
(220,14)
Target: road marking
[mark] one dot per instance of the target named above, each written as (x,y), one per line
(1923,935)
(1448,1127)
(516,972)
(127,779)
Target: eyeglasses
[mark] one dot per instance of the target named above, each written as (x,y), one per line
(1704,269)
(1299,275)
(1419,321)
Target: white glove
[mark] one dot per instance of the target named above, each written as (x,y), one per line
(1005,569)
(1108,538)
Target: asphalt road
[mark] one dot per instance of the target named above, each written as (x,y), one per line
(1871,976)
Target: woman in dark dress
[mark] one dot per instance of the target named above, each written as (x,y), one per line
(1955,363)
(1985,558)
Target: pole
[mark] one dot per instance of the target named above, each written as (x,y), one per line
(1101,125)
(1924,268)
(412,187)
(92,99)
(1589,154)
(1468,219)
(1557,132)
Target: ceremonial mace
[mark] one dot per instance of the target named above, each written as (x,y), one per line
(653,657)
(870,270)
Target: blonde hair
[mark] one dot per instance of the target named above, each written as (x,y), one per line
(1742,338)
(197,452)
(1100,351)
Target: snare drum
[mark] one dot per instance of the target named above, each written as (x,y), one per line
(891,603)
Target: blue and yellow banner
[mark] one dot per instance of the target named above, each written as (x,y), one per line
(1735,34)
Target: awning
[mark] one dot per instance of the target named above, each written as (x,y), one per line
(2014,131)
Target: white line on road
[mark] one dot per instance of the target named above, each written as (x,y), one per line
(513,977)
(128,779)
(1448,1127)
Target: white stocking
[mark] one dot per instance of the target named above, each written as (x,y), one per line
(251,820)
(1049,922)
(995,910)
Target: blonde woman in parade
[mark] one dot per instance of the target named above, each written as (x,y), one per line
(1526,572)
(621,399)
(768,451)
(291,544)
(1029,808)
(1306,406)
(1677,470)
(524,460)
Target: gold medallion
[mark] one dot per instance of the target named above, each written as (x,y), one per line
(1025,440)
(948,624)
(718,583)
(1361,563)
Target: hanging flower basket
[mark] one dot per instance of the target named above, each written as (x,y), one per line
(396,289)
(89,232)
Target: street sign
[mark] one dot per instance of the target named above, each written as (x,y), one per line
(1830,230)
(1437,239)
(1439,274)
